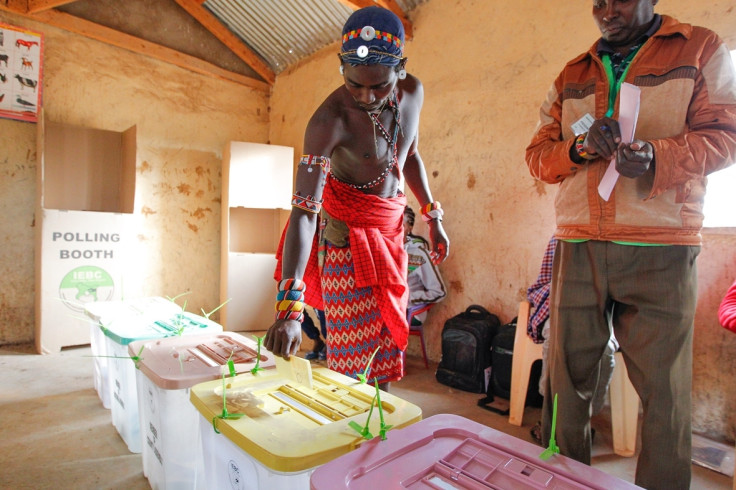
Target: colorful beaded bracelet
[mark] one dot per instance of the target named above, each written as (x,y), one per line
(292,284)
(580,148)
(432,211)
(290,315)
(290,294)
(289,305)
(290,300)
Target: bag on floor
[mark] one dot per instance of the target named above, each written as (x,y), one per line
(466,349)
(499,385)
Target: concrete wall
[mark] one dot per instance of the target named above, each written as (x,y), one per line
(183,122)
(486,67)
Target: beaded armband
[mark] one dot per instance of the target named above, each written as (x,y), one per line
(312,161)
(579,147)
(290,300)
(432,211)
(308,204)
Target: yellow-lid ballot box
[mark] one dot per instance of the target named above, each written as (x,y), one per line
(167,369)
(119,333)
(272,432)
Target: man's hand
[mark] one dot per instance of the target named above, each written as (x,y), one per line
(284,338)
(603,138)
(440,242)
(634,159)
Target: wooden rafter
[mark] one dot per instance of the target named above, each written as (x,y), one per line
(35,6)
(16,6)
(137,45)
(236,45)
(391,5)
(24,7)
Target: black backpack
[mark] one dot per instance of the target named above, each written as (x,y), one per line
(502,353)
(466,349)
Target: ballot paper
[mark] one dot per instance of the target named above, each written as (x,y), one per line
(295,369)
(627,116)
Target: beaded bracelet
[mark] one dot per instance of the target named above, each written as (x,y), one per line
(290,305)
(290,300)
(290,315)
(432,211)
(580,148)
(292,284)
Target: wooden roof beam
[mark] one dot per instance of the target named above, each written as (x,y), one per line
(24,7)
(236,45)
(106,35)
(35,6)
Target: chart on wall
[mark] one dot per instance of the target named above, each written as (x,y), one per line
(21,58)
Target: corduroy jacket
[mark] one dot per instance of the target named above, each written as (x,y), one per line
(687,112)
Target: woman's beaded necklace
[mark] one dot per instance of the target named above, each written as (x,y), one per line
(392,140)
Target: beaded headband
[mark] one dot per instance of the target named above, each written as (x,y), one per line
(371,36)
(370,33)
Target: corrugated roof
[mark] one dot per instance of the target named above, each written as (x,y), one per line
(283,32)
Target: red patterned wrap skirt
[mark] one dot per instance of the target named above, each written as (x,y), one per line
(355,328)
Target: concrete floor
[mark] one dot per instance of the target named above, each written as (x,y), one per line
(55,433)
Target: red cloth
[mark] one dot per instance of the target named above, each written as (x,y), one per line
(377,243)
(727,310)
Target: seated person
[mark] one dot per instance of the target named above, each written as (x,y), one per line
(425,283)
(319,349)
(727,309)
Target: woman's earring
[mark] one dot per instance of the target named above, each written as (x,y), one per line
(342,70)
(402,74)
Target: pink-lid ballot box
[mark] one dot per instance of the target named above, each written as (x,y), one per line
(157,322)
(167,369)
(451,452)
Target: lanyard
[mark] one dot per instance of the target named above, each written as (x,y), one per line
(614,84)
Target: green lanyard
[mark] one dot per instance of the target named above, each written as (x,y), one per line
(614,84)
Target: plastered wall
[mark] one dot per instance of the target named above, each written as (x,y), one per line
(183,122)
(486,67)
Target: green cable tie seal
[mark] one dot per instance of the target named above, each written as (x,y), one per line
(552,448)
(224,415)
(384,428)
(363,377)
(258,367)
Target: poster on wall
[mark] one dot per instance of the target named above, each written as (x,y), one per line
(21,53)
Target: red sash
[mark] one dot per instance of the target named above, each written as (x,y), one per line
(376,241)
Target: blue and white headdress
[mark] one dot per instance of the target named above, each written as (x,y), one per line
(372,36)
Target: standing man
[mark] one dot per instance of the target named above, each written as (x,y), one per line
(357,146)
(632,257)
